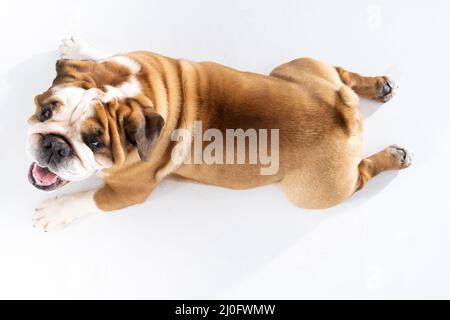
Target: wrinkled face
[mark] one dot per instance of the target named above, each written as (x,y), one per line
(89,120)
(68,138)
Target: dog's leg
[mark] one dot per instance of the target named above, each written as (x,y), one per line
(392,158)
(375,88)
(118,194)
(55,213)
(79,49)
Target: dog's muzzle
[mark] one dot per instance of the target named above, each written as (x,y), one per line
(54,149)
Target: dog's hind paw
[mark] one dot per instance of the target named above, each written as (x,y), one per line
(402,155)
(386,89)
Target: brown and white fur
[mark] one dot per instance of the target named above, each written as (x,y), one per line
(131,103)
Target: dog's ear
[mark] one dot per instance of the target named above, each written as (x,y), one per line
(143,130)
(37,100)
(63,72)
(76,72)
(61,68)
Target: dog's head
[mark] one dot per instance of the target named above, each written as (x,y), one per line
(74,133)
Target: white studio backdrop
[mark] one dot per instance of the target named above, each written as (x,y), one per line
(191,241)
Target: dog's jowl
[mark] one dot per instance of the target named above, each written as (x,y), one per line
(133,118)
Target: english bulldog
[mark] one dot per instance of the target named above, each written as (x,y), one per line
(115,115)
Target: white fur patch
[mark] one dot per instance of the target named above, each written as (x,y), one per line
(129,89)
(134,67)
(71,98)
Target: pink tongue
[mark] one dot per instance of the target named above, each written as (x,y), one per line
(43,176)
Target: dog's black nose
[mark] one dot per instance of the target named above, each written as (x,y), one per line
(55,148)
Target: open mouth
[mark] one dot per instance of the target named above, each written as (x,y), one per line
(44,179)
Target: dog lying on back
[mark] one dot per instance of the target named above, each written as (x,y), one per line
(117,115)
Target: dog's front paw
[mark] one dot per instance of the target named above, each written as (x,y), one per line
(52,215)
(72,49)
(56,213)
(386,89)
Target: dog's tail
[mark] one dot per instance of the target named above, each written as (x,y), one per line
(349,109)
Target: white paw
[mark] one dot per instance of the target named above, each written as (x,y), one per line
(78,49)
(56,213)
(403,155)
(52,215)
(387,90)
(73,49)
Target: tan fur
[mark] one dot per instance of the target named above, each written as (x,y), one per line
(314,105)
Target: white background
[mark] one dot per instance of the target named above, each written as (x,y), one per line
(191,241)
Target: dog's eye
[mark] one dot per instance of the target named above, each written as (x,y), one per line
(46,113)
(94,143)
